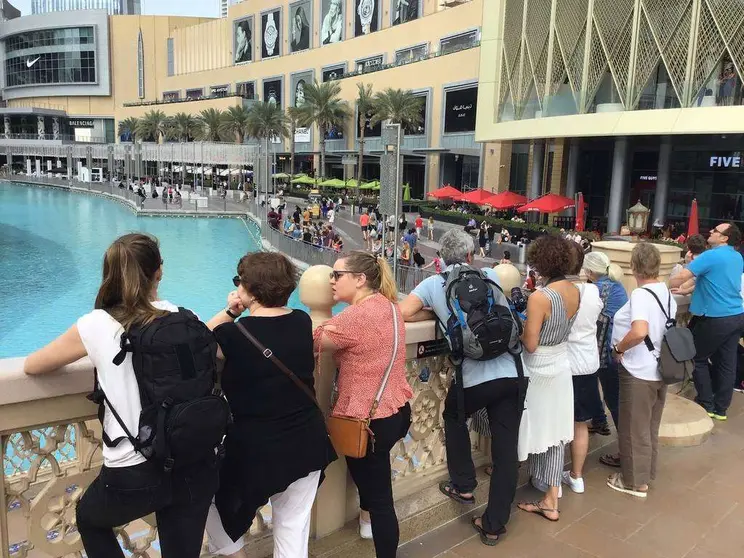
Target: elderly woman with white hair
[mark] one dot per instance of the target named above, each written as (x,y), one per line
(608,279)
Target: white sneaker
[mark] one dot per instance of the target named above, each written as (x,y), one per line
(543,487)
(365,529)
(577,485)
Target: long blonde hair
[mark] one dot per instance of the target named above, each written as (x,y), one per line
(130,268)
(377,271)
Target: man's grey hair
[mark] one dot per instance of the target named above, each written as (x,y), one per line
(455,245)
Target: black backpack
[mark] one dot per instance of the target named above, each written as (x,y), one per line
(184,416)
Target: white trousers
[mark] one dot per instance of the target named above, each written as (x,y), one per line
(290,512)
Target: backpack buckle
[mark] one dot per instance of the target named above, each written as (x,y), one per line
(267,353)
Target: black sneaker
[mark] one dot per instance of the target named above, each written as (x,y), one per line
(603,429)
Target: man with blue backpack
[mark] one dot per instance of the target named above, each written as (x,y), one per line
(483,332)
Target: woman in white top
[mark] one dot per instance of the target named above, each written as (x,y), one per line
(637,334)
(583,357)
(128,486)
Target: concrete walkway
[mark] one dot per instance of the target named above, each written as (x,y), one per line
(695,509)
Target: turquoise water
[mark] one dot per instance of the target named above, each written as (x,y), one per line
(51,251)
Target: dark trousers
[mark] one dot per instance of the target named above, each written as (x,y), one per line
(372,476)
(608,377)
(122,494)
(716,339)
(502,402)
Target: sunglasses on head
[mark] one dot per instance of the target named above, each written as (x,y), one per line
(236,280)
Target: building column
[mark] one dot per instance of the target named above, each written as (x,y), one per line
(617,185)
(662,181)
(572,175)
(6,127)
(538,158)
(497,166)
(433,173)
(40,127)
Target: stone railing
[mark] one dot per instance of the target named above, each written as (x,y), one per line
(52,450)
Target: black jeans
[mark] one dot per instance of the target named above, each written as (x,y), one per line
(504,407)
(716,340)
(122,494)
(372,476)
(610,381)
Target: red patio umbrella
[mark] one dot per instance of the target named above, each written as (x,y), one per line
(476,196)
(692,225)
(549,203)
(580,213)
(506,200)
(447,192)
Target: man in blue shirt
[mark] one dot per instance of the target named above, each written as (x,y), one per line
(491,384)
(718,320)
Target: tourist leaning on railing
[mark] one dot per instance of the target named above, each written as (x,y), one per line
(277,446)
(367,347)
(129,486)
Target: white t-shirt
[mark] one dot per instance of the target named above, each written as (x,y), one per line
(583,355)
(642,306)
(101,336)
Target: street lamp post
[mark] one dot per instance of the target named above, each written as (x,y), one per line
(390,196)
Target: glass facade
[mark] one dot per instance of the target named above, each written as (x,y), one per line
(29,60)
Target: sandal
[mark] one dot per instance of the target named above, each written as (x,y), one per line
(539,510)
(449,490)
(484,538)
(610,460)
(488,470)
(615,482)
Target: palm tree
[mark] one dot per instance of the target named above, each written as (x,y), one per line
(128,127)
(183,127)
(400,106)
(324,108)
(266,121)
(153,126)
(210,121)
(367,109)
(235,122)
(293,116)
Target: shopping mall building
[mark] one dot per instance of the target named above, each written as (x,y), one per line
(623,100)
(74,75)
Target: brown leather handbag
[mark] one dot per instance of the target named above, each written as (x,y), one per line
(351,435)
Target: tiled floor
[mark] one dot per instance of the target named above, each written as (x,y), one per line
(695,509)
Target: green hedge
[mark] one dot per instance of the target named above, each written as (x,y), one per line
(458,218)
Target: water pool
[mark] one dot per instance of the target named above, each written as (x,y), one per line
(51,250)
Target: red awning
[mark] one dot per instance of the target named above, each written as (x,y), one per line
(447,192)
(506,200)
(477,196)
(549,203)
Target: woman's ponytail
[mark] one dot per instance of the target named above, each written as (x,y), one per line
(615,273)
(387,284)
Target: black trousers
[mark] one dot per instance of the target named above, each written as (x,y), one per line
(504,406)
(716,339)
(372,476)
(610,381)
(122,494)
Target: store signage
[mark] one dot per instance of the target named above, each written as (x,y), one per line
(81,122)
(725,162)
(647,177)
(434,347)
(460,110)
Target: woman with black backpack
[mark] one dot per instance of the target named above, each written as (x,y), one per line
(131,486)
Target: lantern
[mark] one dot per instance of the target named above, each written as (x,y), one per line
(638,218)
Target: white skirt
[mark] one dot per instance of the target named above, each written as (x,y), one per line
(548,416)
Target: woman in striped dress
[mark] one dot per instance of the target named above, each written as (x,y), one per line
(547,422)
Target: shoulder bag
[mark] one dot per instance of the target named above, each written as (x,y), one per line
(350,436)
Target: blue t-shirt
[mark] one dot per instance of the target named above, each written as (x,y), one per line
(616,299)
(474,372)
(717,282)
(411,239)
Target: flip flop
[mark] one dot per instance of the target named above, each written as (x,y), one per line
(542,512)
(484,538)
(615,482)
(449,490)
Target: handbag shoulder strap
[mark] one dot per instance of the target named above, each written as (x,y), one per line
(386,376)
(268,353)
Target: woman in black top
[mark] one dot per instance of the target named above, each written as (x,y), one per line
(277,446)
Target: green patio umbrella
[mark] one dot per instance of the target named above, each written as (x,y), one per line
(305,180)
(281,176)
(367,186)
(352,183)
(406,192)
(333,183)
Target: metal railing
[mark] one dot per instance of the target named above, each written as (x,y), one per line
(299,249)
(410,276)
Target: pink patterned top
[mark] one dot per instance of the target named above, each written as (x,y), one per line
(364,337)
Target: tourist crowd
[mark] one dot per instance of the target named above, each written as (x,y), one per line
(532,385)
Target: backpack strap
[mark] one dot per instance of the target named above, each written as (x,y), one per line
(99,396)
(667,314)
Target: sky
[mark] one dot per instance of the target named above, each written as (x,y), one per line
(202,8)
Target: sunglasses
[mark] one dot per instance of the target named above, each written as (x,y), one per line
(236,280)
(336,275)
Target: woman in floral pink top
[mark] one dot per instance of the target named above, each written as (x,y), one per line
(362,339)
